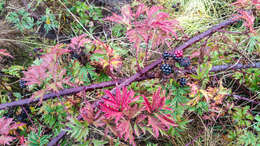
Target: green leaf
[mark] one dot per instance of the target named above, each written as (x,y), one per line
(18,95)
(78,130)
(98,142)
(14,70)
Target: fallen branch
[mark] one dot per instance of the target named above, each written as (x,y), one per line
(67,92)
(234,67)
(55,140)
(245,99)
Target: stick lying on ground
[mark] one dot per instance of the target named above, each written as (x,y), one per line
(69,91)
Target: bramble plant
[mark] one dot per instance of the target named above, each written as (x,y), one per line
(196,82)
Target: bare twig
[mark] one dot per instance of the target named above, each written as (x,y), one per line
(234,67)
(55,140)
(67,92)
(246,99)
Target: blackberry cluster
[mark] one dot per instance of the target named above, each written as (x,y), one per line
(166,55)
(166,69)
(22,83)
(74,55)
(182,81)
(36,50)
(177,55)
(185,62)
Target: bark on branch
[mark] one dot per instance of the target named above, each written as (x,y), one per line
(69,91)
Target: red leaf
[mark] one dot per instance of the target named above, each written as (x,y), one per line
(241,3)
(147,105)
(156,126)
(79,41)
(155,27)
(117,106)
(165,120)
(124,19)
(256,3)
(157,102)
(125,130)
(249,20)
(5,140)
(3,52)
(140,10)
(6,125)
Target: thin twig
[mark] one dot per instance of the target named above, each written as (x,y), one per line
(69,91)
(246,99)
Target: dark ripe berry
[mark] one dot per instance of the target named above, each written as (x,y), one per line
(22,83)
(36,50)
(74,55)
(174,6)
(166,55)
(22,117)
(166,69)
(185,62)
(182,81)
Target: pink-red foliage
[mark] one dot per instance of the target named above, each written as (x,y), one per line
(245,3)
(162,121)
(7,125)
(110,59)
(257,4)
(49,66)
(246,15)
(4,53)
(79,41)
(156,27)
(248,20)
(127,117)
(91,116)
(116,106)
